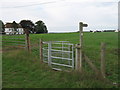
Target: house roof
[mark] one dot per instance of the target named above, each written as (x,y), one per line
(10,25)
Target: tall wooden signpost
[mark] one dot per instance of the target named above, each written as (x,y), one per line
(79,48)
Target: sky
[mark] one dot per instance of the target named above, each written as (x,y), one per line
(63,15)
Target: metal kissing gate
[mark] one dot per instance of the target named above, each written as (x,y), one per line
(58,54)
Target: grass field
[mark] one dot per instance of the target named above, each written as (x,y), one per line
(21,69)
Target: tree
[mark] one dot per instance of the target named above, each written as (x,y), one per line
(45,30)
(40,27)
(27,25)
(15,26)
(2,27)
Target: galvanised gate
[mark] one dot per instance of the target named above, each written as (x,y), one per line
(58,54)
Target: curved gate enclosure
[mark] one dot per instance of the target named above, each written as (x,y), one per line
(58,54)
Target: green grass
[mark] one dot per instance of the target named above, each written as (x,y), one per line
(23,70)
(92,42)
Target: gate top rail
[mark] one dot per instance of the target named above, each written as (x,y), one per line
(55,41)
(58,42)
(64,43)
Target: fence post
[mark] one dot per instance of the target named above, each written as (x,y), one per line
(49,54)
(78,62)
(41,51)
(103,46)
(27,39)
(81,43)
(81,25)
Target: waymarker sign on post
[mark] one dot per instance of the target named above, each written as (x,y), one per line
(79,48)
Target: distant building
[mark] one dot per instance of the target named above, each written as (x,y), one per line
(10,30)
(117,30)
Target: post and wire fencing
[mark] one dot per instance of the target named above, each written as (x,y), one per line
(94,67)
(82,58)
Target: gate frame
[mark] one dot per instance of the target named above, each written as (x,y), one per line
(49,54)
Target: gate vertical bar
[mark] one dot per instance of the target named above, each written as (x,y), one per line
(73,56)
(62,53)
(49,54)
(69,53)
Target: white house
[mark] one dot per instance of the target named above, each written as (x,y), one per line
(117,30)
(9,29)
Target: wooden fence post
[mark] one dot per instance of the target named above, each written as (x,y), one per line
(27,40)
(81,44)
(79,50)
(78,62)
(41,51)
(103,46)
